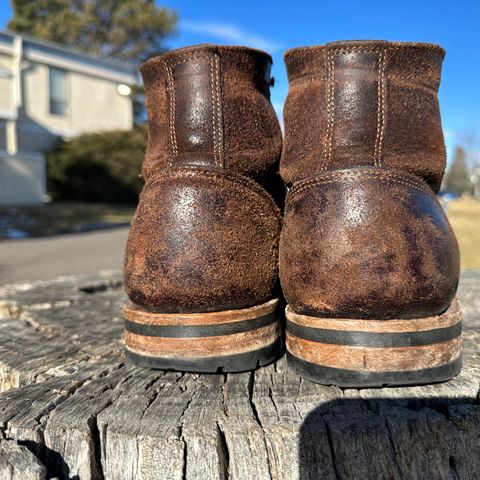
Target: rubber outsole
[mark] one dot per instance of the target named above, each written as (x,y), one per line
(241,362)
(362,379)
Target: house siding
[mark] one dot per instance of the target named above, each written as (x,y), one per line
(22,179)
(94,105)
(6,93)
(27,127)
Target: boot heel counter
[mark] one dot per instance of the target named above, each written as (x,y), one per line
(367,243)
(202,240)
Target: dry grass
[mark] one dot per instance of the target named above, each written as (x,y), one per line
(464,215)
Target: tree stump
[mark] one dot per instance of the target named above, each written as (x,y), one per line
(71,406)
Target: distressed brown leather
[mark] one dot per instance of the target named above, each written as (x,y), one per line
(367,242)
(364,235)
(205,234)
(210,106)
(364,103)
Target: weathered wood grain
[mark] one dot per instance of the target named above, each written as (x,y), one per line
(18,463)
(72,407)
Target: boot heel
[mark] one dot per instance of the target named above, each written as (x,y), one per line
(227,341)
(375,353)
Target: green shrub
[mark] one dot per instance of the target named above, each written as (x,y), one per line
(98,167)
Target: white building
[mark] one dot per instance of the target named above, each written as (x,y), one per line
(48,91)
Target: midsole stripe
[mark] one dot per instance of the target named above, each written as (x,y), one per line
(375,339)
(196,331)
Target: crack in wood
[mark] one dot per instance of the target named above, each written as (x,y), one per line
(224,453)
(251,386)
(224,395)
(182,437)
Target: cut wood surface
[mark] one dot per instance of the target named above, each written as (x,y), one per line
(71,406)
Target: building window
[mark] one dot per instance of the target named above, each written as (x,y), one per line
(58,91)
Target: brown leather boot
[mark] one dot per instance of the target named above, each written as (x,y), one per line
(201,258)
(368,262)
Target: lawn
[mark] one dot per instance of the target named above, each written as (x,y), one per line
(464,215)
(61,217)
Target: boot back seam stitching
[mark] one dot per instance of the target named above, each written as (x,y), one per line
(377,155)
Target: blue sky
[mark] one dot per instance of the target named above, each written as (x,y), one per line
(277,26)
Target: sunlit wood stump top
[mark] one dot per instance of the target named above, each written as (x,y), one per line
(72,407)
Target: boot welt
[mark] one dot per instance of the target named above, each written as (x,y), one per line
(355,353)
(227,341)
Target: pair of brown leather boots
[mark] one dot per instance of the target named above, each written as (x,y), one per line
(368,263)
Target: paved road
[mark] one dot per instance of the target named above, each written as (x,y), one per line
(45,258)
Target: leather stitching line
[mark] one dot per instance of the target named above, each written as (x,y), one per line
(388,46)
(384,106)
(186,57)
(327,105)
(379,114)
(222,179)
(173,139)
(330,91)
(430,48)
(332,100)
(363,175)
(380,110)
(294,195)
(356,48)
(214,111)
(356,174)
(218,112)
